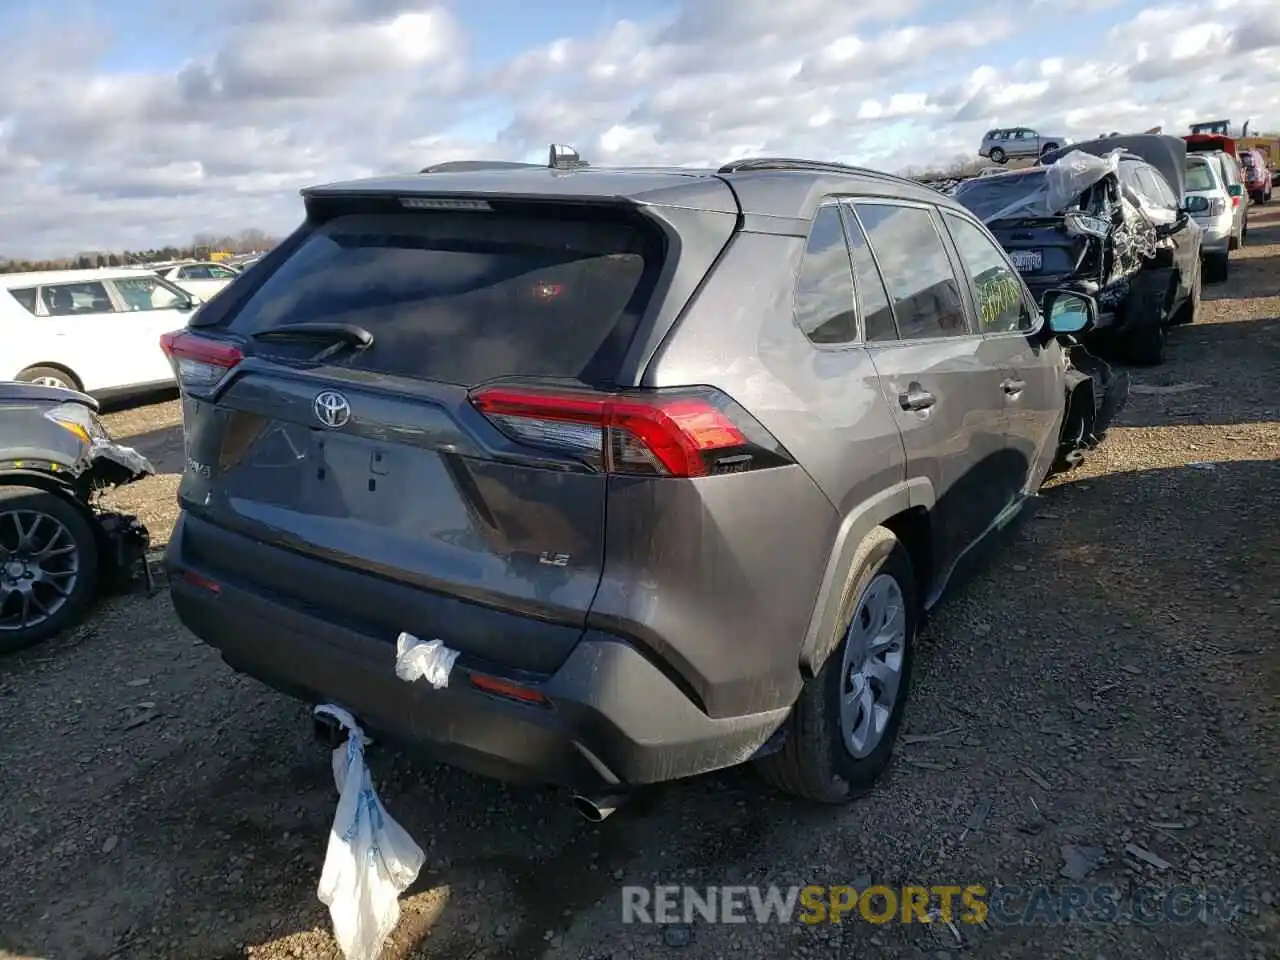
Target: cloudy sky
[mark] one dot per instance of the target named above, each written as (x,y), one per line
(133,123)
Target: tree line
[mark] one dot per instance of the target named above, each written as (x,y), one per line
(201,246)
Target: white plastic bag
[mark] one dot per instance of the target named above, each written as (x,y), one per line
(428,660)
(371,859)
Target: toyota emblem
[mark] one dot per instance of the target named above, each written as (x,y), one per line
(331,408)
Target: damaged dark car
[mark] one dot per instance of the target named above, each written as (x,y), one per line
(59,548)
(1105,218)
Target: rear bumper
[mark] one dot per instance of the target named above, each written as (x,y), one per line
(611,718)
(1217,236)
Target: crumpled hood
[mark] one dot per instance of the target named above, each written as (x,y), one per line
(1167,154)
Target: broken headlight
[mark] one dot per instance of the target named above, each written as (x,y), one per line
(80,420)
(1082,224)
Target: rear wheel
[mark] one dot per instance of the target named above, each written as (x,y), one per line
(1145,345)
(841,732)
(48,565)
(1146,315)
(997,155)
(1216,268)
(49,377)
(1048,148)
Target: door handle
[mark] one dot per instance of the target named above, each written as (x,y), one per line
(916,398)
(1012,386)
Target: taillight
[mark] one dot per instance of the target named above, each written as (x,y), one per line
(1235,202)
(199,361)
(679,433)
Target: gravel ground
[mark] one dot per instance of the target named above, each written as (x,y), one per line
(1111,679)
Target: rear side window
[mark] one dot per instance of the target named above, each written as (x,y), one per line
(27,297)
(873,299)
(73,299)
(824,285)
(1157,187)
(467,297)
(916,269)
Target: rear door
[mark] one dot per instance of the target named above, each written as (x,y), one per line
(80,328)
(940,378)
(1010,323)
(400,506)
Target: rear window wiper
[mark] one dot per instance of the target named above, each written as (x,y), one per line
(349,333)
(341,335)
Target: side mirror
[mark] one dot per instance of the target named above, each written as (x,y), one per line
(1069,312)
(1236,190)
(189,304)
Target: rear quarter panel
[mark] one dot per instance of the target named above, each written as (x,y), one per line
(723,573)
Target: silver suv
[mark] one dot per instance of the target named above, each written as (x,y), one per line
(673,461)
(1222,216)
(1018,143)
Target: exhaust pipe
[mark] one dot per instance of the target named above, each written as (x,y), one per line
(595,809)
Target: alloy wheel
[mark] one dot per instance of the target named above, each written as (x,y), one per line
(39,568)
(871,675)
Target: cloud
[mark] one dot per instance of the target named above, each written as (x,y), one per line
(114,134)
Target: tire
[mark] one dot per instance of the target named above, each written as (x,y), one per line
(1216,268)
(1190,308)
(998,155)
(1048,148)
(1145,345)
(51,376)
(73,529)
(815,762)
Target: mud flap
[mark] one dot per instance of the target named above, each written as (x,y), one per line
(123,552)
(1095,394)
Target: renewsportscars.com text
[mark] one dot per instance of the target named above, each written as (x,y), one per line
(948,904)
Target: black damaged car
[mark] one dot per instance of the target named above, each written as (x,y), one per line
(58,546)
(1105,218)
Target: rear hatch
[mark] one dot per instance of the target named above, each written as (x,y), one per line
(354,436)
(1205,200)
(1040,246)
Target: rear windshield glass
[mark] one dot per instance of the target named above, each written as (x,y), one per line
(466,297)
(1199,177)
(986,196)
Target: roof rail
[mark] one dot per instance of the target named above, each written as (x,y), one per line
(815,166)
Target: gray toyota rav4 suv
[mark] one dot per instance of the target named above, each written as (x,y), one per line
(674,459)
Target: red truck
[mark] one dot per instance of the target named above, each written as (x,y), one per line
(1257,176)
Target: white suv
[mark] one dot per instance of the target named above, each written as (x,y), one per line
(91,330)
(200,278)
